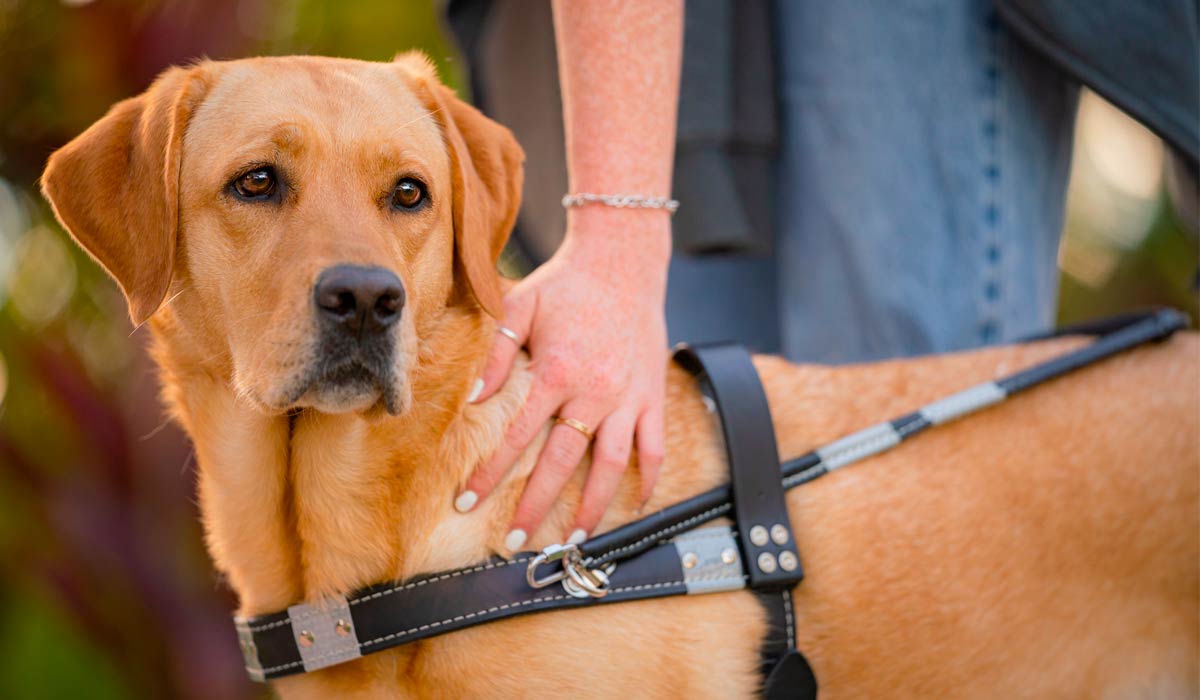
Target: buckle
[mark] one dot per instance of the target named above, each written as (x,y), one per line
(578,580)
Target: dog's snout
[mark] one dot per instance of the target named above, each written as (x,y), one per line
(359,299)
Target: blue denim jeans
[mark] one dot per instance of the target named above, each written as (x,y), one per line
(920,190)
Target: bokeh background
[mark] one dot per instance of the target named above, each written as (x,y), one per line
(105,588)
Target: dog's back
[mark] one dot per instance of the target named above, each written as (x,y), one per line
(1047,547)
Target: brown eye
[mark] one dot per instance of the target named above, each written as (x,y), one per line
(408,194)
(256,184)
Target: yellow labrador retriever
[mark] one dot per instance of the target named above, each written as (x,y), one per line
(313,241)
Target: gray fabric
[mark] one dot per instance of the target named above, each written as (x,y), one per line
(1143,55)
(714,298)
(516,71)
(727,130)
(706,83)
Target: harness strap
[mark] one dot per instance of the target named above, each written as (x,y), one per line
(765,531)
(768,546)
(791,679)
(308,637)
(786,673)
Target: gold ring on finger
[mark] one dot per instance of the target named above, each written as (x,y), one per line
(576,424)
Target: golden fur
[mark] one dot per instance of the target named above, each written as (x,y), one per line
(1048,547)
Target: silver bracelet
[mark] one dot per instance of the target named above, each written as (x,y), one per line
(621,201)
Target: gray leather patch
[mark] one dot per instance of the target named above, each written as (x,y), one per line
(324,633)
(710,560)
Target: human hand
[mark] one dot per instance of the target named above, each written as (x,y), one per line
(592,319)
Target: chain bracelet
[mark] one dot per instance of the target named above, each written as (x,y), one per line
(620,201)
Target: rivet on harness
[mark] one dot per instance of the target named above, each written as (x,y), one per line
(663,554)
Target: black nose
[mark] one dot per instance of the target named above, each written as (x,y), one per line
(359,299)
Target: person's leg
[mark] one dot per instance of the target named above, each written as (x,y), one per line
(922,179)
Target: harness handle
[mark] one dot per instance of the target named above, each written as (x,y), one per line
(1116,335)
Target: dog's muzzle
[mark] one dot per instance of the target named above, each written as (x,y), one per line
(357,312)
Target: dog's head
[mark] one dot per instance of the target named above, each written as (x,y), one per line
(300,220)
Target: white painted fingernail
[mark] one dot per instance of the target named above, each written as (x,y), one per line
(465,501)
(515,539)
(577,537)
(475,391)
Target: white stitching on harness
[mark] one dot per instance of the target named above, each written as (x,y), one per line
(800,476)
(468,616)
(270,625)
(443,577)
(787,610)
(719,577)
(665,531)
(460,618)
(405,587)
(283,667)
(708,533)
(506,606)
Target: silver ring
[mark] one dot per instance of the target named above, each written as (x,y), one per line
(508,333)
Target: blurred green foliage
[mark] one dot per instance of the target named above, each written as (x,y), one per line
(1130,238)
(1160,271)
(52,659)
(105,589)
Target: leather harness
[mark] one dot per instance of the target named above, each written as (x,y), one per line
(665,553)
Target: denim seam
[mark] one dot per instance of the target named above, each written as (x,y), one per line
(989,328)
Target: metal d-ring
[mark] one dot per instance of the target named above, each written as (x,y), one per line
(577,579)
(583,582)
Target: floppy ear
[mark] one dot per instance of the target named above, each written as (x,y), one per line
(115,187)
(486,173)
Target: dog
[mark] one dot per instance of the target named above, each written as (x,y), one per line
(313,242)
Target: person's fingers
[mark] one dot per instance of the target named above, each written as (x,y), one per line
(610,458)
(650,448)
(537,410)
(559,459)
(510,336)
